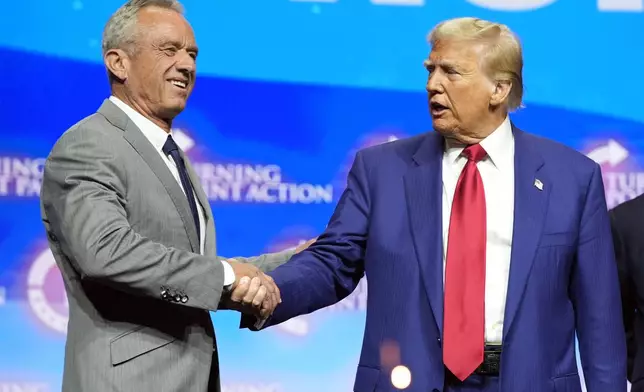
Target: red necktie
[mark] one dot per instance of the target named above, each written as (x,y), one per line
(464,314)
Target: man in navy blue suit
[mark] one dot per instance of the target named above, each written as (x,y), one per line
(486,248)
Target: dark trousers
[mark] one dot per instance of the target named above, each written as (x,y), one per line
(474,383)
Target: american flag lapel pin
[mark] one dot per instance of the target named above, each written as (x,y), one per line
(538,184)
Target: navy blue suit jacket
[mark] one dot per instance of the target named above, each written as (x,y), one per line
(563,276)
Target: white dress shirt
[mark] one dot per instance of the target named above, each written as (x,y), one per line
(497,174)
(157,137)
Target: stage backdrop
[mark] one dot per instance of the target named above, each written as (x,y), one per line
(287,92)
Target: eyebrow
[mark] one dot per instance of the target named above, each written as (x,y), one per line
(176,44)
(443,64)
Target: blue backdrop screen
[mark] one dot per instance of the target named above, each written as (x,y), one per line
(287,92)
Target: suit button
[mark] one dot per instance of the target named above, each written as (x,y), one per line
(439,341)
(177,298)
(184,299)
(436,390)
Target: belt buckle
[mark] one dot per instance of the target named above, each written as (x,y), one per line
(491,365)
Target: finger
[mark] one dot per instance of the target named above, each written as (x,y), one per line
(269,283)
(259,297)
(240,290)
(268,303)
(267,307)
(255,284)
(271,302)
(277,295)
(272,288)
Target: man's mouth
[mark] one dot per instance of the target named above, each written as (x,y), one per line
(437,108)
(179,83)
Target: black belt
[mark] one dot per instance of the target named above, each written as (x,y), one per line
(490,366)
(491,361)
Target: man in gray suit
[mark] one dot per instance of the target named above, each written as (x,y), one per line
(131,229)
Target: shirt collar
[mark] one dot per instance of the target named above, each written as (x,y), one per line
(154,133)
(499,146)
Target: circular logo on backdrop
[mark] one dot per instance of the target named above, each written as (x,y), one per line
(46,292)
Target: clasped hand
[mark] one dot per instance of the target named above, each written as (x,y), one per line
(253,292)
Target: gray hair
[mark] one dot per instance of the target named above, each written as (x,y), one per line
(119,32)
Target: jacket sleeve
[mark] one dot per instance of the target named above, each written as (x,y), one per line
(595,296)
(83,203)
(331,268)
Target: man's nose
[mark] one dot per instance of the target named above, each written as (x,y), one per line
(186,63)
(434,85)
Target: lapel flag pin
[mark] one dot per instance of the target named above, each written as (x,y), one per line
(538,184)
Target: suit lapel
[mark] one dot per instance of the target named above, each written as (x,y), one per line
(145,149)
(423,189)
(209,245)
(530,207)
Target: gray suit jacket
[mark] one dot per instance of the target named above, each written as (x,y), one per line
(139,292)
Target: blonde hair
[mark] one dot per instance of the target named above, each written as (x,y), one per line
(503,57)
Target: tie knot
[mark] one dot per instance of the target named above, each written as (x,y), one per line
(474,152)
(170,146)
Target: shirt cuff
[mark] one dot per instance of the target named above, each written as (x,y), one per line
(229,274)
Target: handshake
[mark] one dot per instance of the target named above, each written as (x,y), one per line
(253,292)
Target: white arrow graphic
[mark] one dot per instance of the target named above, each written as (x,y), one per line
(612,153)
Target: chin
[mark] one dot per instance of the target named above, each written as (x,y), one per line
(443,127)
(172,111)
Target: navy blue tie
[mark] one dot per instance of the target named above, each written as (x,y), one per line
(171,148)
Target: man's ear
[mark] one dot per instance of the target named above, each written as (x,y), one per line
(117,63)
(501,92)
